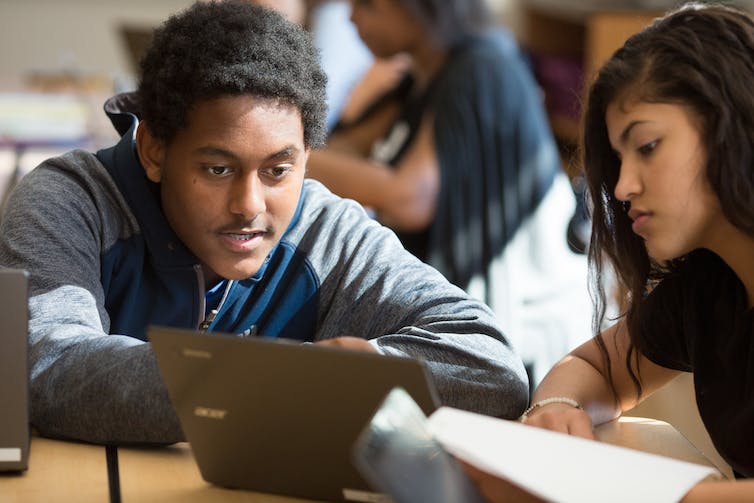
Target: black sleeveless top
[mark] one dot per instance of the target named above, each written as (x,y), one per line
(391,149)
(496,155)
(697,320)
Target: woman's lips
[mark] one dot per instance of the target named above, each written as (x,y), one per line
(640,219)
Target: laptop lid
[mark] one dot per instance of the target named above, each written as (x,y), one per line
(14,371)
(278,416)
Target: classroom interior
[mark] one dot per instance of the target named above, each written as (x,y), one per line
(63,58)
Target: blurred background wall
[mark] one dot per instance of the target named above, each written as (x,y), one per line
(84,36)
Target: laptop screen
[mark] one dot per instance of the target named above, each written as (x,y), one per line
(276,416)
(14,371)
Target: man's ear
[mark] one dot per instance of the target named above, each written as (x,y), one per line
(151,152)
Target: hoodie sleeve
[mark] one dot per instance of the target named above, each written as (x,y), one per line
(373,288)
(85,384)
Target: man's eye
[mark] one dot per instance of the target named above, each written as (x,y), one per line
(218,170)
(279,171)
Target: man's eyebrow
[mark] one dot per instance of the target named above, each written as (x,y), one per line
(217,152)
(285,153)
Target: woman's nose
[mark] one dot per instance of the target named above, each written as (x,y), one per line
(629,181)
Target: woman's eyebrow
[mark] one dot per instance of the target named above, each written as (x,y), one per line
(627,130)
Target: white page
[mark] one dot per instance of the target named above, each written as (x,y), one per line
(561,467)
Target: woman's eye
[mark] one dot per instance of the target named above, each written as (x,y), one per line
(647,148)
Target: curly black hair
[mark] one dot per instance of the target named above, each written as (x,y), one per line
(215,49)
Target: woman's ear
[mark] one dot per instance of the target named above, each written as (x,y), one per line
(151,152)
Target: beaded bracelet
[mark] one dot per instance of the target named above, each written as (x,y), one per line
(554,399)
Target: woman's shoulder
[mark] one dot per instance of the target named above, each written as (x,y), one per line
(702,266)
(700,278)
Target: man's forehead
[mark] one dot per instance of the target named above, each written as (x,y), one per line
(268,116)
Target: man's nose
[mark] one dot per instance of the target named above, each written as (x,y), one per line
(247,196)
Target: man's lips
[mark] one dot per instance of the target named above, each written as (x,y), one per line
(245,228)
(243,239)
(243,236)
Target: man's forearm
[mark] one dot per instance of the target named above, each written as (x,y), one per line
(104,393)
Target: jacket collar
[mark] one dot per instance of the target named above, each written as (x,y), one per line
(141,194)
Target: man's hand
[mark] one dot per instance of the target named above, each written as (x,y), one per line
(347,342)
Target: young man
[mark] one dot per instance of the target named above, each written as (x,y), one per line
(200,217)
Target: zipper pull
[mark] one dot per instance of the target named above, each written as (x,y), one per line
(204,325)
(250,332)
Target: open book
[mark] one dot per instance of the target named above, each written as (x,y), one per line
(412,458)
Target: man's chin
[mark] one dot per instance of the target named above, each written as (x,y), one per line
(242,271)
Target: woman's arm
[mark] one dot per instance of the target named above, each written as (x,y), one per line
(384,74)
(404,197)
(358,138)
(729,491)
(582,376)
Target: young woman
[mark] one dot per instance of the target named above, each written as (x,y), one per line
(669,159)
(459,160)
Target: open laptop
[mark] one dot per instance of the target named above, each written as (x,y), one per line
(277,416)
(14,371)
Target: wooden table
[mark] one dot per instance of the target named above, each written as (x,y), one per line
(170,475)
(64,472)
(58,472)
(656,437)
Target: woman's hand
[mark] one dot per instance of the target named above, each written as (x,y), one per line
(563,418)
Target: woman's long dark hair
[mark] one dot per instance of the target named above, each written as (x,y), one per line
(701,57)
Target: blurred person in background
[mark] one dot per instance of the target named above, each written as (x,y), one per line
(460,161)
(354,77)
